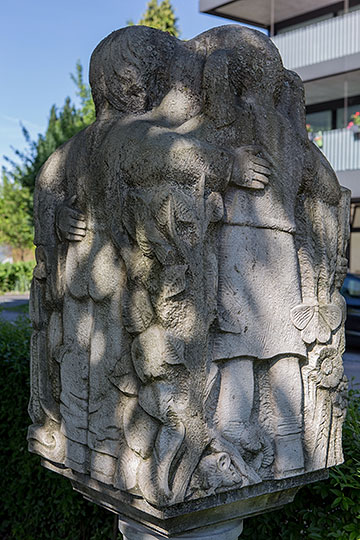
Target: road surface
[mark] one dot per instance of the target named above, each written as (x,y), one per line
(12,301)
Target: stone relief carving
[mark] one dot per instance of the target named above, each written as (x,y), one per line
(188,325)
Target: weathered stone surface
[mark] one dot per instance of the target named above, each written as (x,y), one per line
(188,325)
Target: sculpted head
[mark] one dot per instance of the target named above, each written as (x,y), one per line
(253,62)
(129,69)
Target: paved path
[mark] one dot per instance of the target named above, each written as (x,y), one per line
(12,300)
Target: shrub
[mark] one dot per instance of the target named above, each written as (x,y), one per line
(36,504)
(16,276)
(40,505)
(327,509)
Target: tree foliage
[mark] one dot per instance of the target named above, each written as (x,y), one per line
(325,510)
(160,16)
(62,125)
(36,504)
(87,107)
(16,276)
(16,228)
(19,180)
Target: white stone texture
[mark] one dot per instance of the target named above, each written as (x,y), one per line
(188,325)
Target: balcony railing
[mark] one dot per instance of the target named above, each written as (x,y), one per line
(319,42)
(341,149)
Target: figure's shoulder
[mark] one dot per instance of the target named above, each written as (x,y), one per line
(54,169)
(322,180)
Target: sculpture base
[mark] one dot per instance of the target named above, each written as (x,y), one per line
(228,531)
(183,518)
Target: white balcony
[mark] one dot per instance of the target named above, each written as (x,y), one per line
(336,39)
(342,150)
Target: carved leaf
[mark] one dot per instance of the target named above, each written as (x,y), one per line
(301,316)
(128,219)
(331,314)
(127,384)
(139,428)
(174,281)
(323,333)
(174,351)
(184,208)
(162,210)
(143,242)
(214,207)
(138,312)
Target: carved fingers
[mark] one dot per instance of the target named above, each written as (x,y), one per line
(251,170)
(77,226)
(70,222)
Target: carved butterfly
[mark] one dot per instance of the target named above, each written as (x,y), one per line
(316,321)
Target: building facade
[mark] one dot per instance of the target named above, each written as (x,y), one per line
(320,40)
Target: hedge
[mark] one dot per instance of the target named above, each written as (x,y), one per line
(328,509)
(39,505)
(16,276)
(36,503)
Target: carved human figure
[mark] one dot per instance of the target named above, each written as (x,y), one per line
(175,242)
(89,302)
(170,227)
(257,288)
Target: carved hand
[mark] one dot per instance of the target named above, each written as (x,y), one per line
(70,223)
(250,170)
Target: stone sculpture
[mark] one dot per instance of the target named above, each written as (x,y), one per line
(188,325)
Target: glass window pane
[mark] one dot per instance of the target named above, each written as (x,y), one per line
(351,287)
(319,121)
(352,109)
(306,23)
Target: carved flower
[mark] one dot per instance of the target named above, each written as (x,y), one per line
(340,398)
(316,321)
(330,371)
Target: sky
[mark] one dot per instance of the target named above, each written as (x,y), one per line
(40,43)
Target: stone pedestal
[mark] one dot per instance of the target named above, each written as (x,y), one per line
(228,531)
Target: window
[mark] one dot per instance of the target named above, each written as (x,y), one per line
(319,121)
(351,287)
(340,123)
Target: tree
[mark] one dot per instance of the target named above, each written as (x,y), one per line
(69,120)
(16,227)
(62,125)
(87,109)
(160,16)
